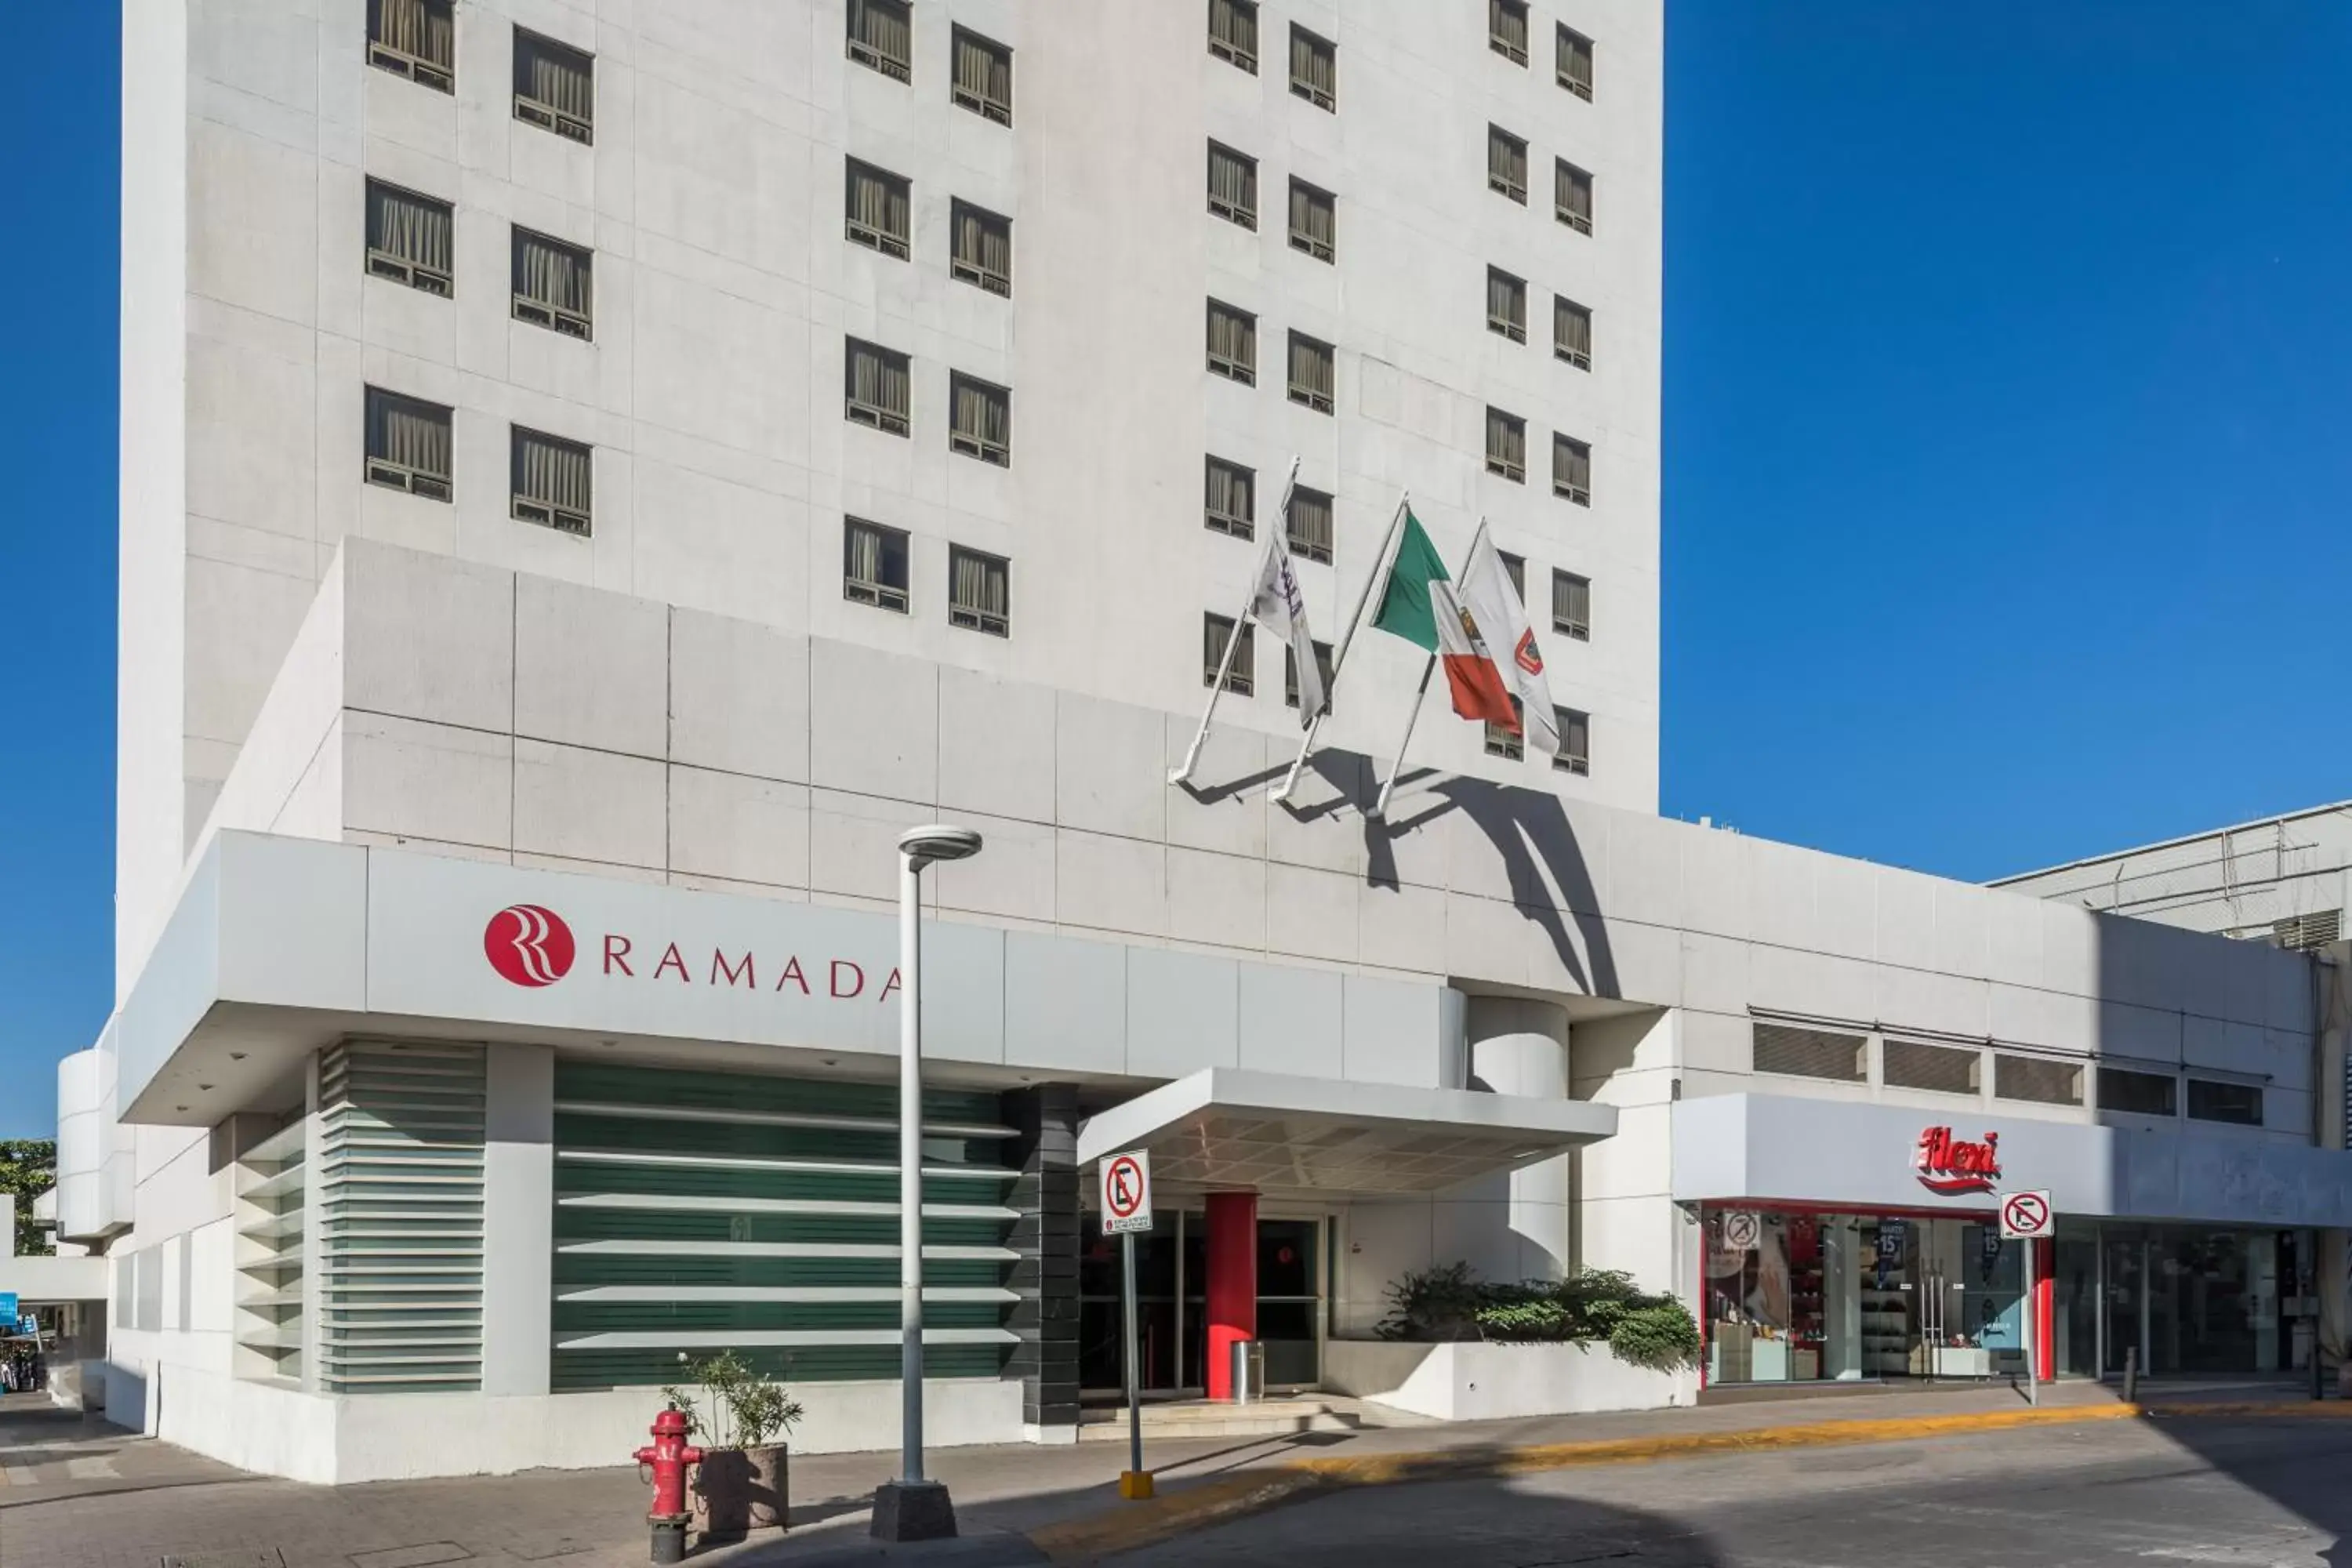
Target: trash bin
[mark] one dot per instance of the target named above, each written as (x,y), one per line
(1249,1371)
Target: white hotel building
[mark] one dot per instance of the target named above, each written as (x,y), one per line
(627,463)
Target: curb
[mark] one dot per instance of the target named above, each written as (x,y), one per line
(1132,1526)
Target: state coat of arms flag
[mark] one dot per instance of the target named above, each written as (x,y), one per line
(1502,620)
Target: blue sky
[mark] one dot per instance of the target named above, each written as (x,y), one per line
(2005,355)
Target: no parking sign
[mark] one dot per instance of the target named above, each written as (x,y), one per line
(1127,1192)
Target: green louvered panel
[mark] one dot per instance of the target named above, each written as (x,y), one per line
(400,1176)
(697,1211)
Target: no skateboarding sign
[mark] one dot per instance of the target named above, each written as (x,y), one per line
(2025,1217)
(1127,1192)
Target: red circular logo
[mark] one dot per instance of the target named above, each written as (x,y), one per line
(529,944)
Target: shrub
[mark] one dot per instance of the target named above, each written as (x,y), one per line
(1432,1304)
(750,1410)
(1660,1336)
(1452,1302)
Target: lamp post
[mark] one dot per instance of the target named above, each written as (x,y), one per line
(912,1507)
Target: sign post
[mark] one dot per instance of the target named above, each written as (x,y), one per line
(1126,1210)
(2026,1217)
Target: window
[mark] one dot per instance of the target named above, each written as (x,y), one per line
(1571,332)
(1307,529)
(1232,32)
(1507,29)
(1314,221)
(2237,1102)
(874,564)
(553,480)
(982,250)
(1808,1053)
(1233,343)
(983,77)
(1507,446)
(882,34)
(980,591)
(1233,185)
(1240,677)
(1572,195)
(2037,1078)
(1574,59)
(1572,606)
(415,39)
(554,86)
(1311,373)
(877,388)
(553,284)
(1314,68)
(1507,163)
(1946,1069)
(408,238)
(1290,672)
(1571,469)
(2139,1093)
(407,445)
(1506,305)
(1508,740)
(1232,503)
(877,203)
(979,420)
(1575,755)
(1515,567)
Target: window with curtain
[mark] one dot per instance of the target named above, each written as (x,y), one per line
(1314,68)
(1506,305)
(882,34)
(1571,332)
(979,420)
(1233,185)
(1232,503)
(1575,754)
(1571,469)
(409,238)
(1508,741)
(415,39)
(1572,195)
(980,591)
(1290,673)
(1233,343)
(407,444)
(1507,29)
(1232,32)
(1507,163)
(1312,378)
(874,564)
(553,481)
(1575,62)
(1307,529)
(554,86)
(553,284)
(877,388)
(1515,567)
(1314,221)
(982,248)
(1507,446)
(1215,630)
(983,76)
(1572,606)
(875,203)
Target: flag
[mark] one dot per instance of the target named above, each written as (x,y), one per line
(1280,607)
(1418,603)
(1495,605)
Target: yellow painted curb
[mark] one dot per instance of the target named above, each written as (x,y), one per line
(1134,1525)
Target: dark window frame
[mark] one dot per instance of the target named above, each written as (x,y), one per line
(1240,678)
(972,617)
(997,112)
(537,111)
(1235,527)
(871,55)
(545,510)
(897,598)
(380,469)
(528,307)
(385,55)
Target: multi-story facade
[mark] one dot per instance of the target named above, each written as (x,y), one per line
(590,486)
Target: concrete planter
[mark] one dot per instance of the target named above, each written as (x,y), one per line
(738,1491)
(1475,1381)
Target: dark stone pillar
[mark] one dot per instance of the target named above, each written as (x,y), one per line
(1045,1273)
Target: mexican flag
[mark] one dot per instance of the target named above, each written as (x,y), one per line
(1419,605)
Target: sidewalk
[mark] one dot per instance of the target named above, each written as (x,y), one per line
(80,1494)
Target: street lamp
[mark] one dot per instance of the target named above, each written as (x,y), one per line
(912,1507)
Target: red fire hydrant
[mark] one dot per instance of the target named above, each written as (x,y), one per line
(669,1455)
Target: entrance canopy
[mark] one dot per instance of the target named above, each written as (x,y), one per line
(1227,1127)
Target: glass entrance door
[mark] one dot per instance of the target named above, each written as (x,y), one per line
(1290,1301)
(1100,1308)
(1171,1270)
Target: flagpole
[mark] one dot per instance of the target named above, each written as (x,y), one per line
(1183,771)
(1381,806)
(1346,639)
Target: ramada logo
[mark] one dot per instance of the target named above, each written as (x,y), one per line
(529,944)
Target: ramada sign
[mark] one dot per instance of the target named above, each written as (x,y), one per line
(1950,1166)
(531,945)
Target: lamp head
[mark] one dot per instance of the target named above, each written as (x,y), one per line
(923,846)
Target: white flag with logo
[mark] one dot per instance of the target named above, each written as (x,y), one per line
(1280,608)
(1495,605)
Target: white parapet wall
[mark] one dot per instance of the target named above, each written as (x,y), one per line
(1475,1381)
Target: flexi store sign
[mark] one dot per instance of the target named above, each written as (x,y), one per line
(1952,1165)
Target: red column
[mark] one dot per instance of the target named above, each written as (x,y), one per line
(2045,1314)
(1231,1285)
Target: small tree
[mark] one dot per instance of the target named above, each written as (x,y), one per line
(28,1167)
(746,1409)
